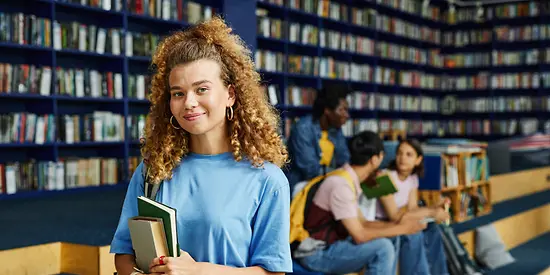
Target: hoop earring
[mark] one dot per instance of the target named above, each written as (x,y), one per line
(229,114)
(171,123)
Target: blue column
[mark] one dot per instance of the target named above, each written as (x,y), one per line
(240,15)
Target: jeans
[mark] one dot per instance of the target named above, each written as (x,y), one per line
(341,257)
(421,253)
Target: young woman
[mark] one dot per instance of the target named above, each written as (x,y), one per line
(212,141)
(405,170)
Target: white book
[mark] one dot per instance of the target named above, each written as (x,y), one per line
(106,5)
(140,86)
(115,41)
(69,129)
(166,9)
(129,44)
(118,86)
(40,130)
(11,183)
(56,36)
(79,82)
(101,39)
(82,33)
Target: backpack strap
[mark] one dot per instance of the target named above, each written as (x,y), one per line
(150,190)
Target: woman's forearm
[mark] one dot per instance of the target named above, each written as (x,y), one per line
(124,264)
(214,269)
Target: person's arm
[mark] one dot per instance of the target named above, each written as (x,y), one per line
(303,149)
(364,233)
(390,207)
(413,199)
(121,245)
(124,264)
(186,265)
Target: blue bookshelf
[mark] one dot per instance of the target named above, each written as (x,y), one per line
(496,45)
(241,15)
(68,58)
(284,45)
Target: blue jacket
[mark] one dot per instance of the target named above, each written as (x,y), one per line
(305,153)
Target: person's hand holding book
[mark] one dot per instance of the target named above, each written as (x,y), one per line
(412,223)
(182,265)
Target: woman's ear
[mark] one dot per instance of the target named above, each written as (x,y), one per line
(418,160)
(231,93)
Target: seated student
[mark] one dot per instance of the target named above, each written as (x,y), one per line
(316,143)
(405,170)
(349,242)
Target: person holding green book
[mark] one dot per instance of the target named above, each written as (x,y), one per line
(405,170)
(211,142)
(340,239)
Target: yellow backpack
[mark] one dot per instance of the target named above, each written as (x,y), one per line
(302,200)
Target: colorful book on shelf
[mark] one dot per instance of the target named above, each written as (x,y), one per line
(384,186)
(153,209)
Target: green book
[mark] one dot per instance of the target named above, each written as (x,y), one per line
(154,209)
(384,186)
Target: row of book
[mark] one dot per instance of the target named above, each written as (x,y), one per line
(381,102)
(293,31)
(338,11)
(508,10)
(329,67)
(88,83)
(455,127)
(175,10)
(497,58)
(504,104)
(135,125)
(64,174)
(485,80)
(99,126)
(74,82)
(461,38)
(362,100)
(502,33)
(27,128)
(25,29)
(108,5)
(309,35)
(28,29)
(25,78)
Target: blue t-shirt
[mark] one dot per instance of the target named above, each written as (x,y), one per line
(229,213)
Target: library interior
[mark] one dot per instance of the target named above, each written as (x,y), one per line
(375,90)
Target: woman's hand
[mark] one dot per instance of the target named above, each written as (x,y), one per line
(182,265)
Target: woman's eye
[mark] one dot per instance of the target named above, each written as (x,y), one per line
(202,90)
(177,94)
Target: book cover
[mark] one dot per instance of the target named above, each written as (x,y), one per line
(148,240)
(154,209)
(384,186)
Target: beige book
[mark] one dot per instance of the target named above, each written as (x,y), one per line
(148,240)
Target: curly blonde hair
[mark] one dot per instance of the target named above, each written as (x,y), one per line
(253,129)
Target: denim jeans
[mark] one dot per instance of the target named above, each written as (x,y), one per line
(341,257)
(421,253)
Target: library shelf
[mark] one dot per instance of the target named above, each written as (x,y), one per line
(120,18)
(37,194)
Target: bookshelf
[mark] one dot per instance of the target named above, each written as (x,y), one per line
(388,54)
(73,89)
(460,174)
(498,67)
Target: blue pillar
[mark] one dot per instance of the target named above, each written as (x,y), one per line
(240,15)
